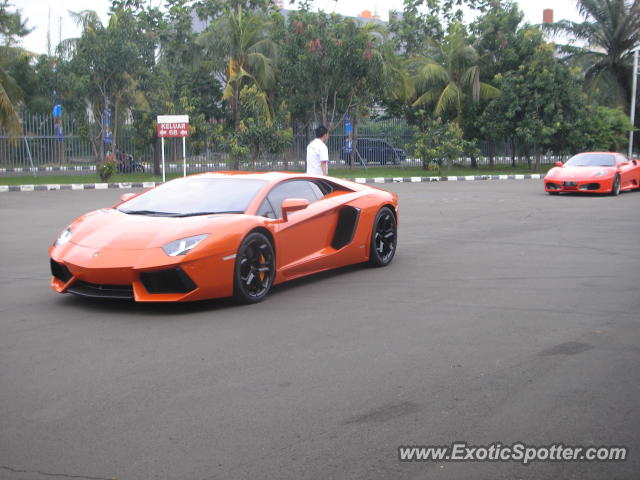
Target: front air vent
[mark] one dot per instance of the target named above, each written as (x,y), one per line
(174,280)
(93,290)
(60,271)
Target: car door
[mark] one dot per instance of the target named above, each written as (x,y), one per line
(627,171)
(300,240)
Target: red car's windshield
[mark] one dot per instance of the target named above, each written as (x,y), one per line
(592,160)
(195,196)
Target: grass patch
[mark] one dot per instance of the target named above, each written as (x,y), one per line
(356,172)
(92,178)
(372,172)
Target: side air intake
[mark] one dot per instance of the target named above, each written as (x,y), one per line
(346,228)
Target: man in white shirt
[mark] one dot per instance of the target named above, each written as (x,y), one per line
(318,153)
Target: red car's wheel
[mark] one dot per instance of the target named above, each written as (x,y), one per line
(255,269)
(615,188)
(383,238)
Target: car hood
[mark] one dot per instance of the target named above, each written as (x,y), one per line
(114,230)
(579,173)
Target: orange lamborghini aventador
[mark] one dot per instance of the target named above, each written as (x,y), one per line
(223,234)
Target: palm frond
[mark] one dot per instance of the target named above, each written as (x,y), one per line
(450,99)
(88,20)
(9,119)
(488,92)
(427,98)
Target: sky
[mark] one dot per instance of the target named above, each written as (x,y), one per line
(61,26)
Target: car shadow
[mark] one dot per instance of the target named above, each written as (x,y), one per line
(167,309)
(588,195)
(152,309)
(315,278)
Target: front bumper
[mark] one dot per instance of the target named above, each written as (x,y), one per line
(598,185)
(140,275)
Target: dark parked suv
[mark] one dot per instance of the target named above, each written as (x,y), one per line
(374,150)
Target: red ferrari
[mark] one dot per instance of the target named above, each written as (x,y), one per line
(223,234)
(596,172)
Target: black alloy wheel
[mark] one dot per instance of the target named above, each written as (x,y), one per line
(254,270)
(615,188)
(383,238)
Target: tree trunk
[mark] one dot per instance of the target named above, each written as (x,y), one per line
(538,155)
(114,128)
(354,140)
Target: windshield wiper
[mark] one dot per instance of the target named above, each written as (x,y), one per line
(195,214)
(151,213)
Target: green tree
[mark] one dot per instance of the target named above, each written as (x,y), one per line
(441,143)
(177,82)
(603,129)
(611,30)
(503,43)
(244,51)
(103,69)
(259,131)
(449,74)
(425,21)
(329,65)
(541,104)
(12,29)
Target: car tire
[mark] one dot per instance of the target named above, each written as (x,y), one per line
(615,187)
(384,238)
(553,193)
(254,269)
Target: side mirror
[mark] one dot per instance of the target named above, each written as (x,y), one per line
(559,164)
(127,196)
(293,205)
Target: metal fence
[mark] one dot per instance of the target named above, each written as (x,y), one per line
(42,148)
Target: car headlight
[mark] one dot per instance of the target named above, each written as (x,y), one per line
(183,246)
(550,173)
(601,173)
(64,237)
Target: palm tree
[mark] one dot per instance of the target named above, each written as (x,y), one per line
(10,93)
(241,40)
(448,74)
(107,63)
(12,29)
(611,31)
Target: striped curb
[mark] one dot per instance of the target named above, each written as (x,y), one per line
(124,185)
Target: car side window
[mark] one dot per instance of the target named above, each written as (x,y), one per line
(316,190)
(292,189)
(266,210)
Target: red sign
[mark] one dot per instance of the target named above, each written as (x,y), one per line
(172,130)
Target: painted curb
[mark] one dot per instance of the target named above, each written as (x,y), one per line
(377,180)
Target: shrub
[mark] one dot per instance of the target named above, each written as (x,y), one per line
(107,168)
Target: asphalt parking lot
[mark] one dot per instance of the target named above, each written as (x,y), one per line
(507,315)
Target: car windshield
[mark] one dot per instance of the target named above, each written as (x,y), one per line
(193,196)
(591,160)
